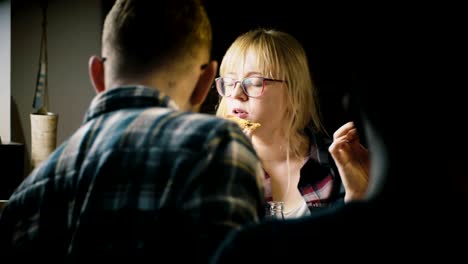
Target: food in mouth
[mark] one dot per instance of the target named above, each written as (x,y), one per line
(244,123)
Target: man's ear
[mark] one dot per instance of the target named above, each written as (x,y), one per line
(205,81)
(96,73)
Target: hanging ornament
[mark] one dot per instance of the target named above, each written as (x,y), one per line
(43,122)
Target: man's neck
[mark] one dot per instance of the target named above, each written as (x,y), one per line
(168,88)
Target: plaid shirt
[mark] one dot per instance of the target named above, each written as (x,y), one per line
(138,177)
(319,184)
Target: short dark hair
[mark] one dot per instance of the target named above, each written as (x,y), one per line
(143,35)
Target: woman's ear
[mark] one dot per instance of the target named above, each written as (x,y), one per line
(96,73)
(204,83)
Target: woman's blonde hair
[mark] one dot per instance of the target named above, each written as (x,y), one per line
(280,56)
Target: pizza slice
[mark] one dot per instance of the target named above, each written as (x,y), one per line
(244,123)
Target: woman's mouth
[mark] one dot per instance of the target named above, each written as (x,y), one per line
(240,113)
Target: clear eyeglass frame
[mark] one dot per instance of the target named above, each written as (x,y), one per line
(251,86)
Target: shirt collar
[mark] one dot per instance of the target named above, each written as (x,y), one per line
(127,97)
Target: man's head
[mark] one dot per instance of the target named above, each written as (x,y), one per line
(146,42)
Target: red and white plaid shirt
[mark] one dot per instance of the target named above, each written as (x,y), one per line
(319,183)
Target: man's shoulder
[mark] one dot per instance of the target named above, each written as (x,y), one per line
(39,178)
(167,114)
(209,117)
(205,123)
(178,128)
(156,120)
(203,117)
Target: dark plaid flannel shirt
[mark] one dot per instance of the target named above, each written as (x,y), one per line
(138,178)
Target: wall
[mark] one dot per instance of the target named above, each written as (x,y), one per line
(5,90)
(73,33)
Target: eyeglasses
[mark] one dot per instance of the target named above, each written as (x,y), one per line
(252,86)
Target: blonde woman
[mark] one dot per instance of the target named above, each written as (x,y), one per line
(265,78)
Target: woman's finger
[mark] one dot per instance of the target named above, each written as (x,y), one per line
(343,130)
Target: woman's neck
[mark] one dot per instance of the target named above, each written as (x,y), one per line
(272,146)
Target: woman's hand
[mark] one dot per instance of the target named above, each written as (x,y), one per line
(352,161)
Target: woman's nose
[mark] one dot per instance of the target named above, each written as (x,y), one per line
(238,92)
